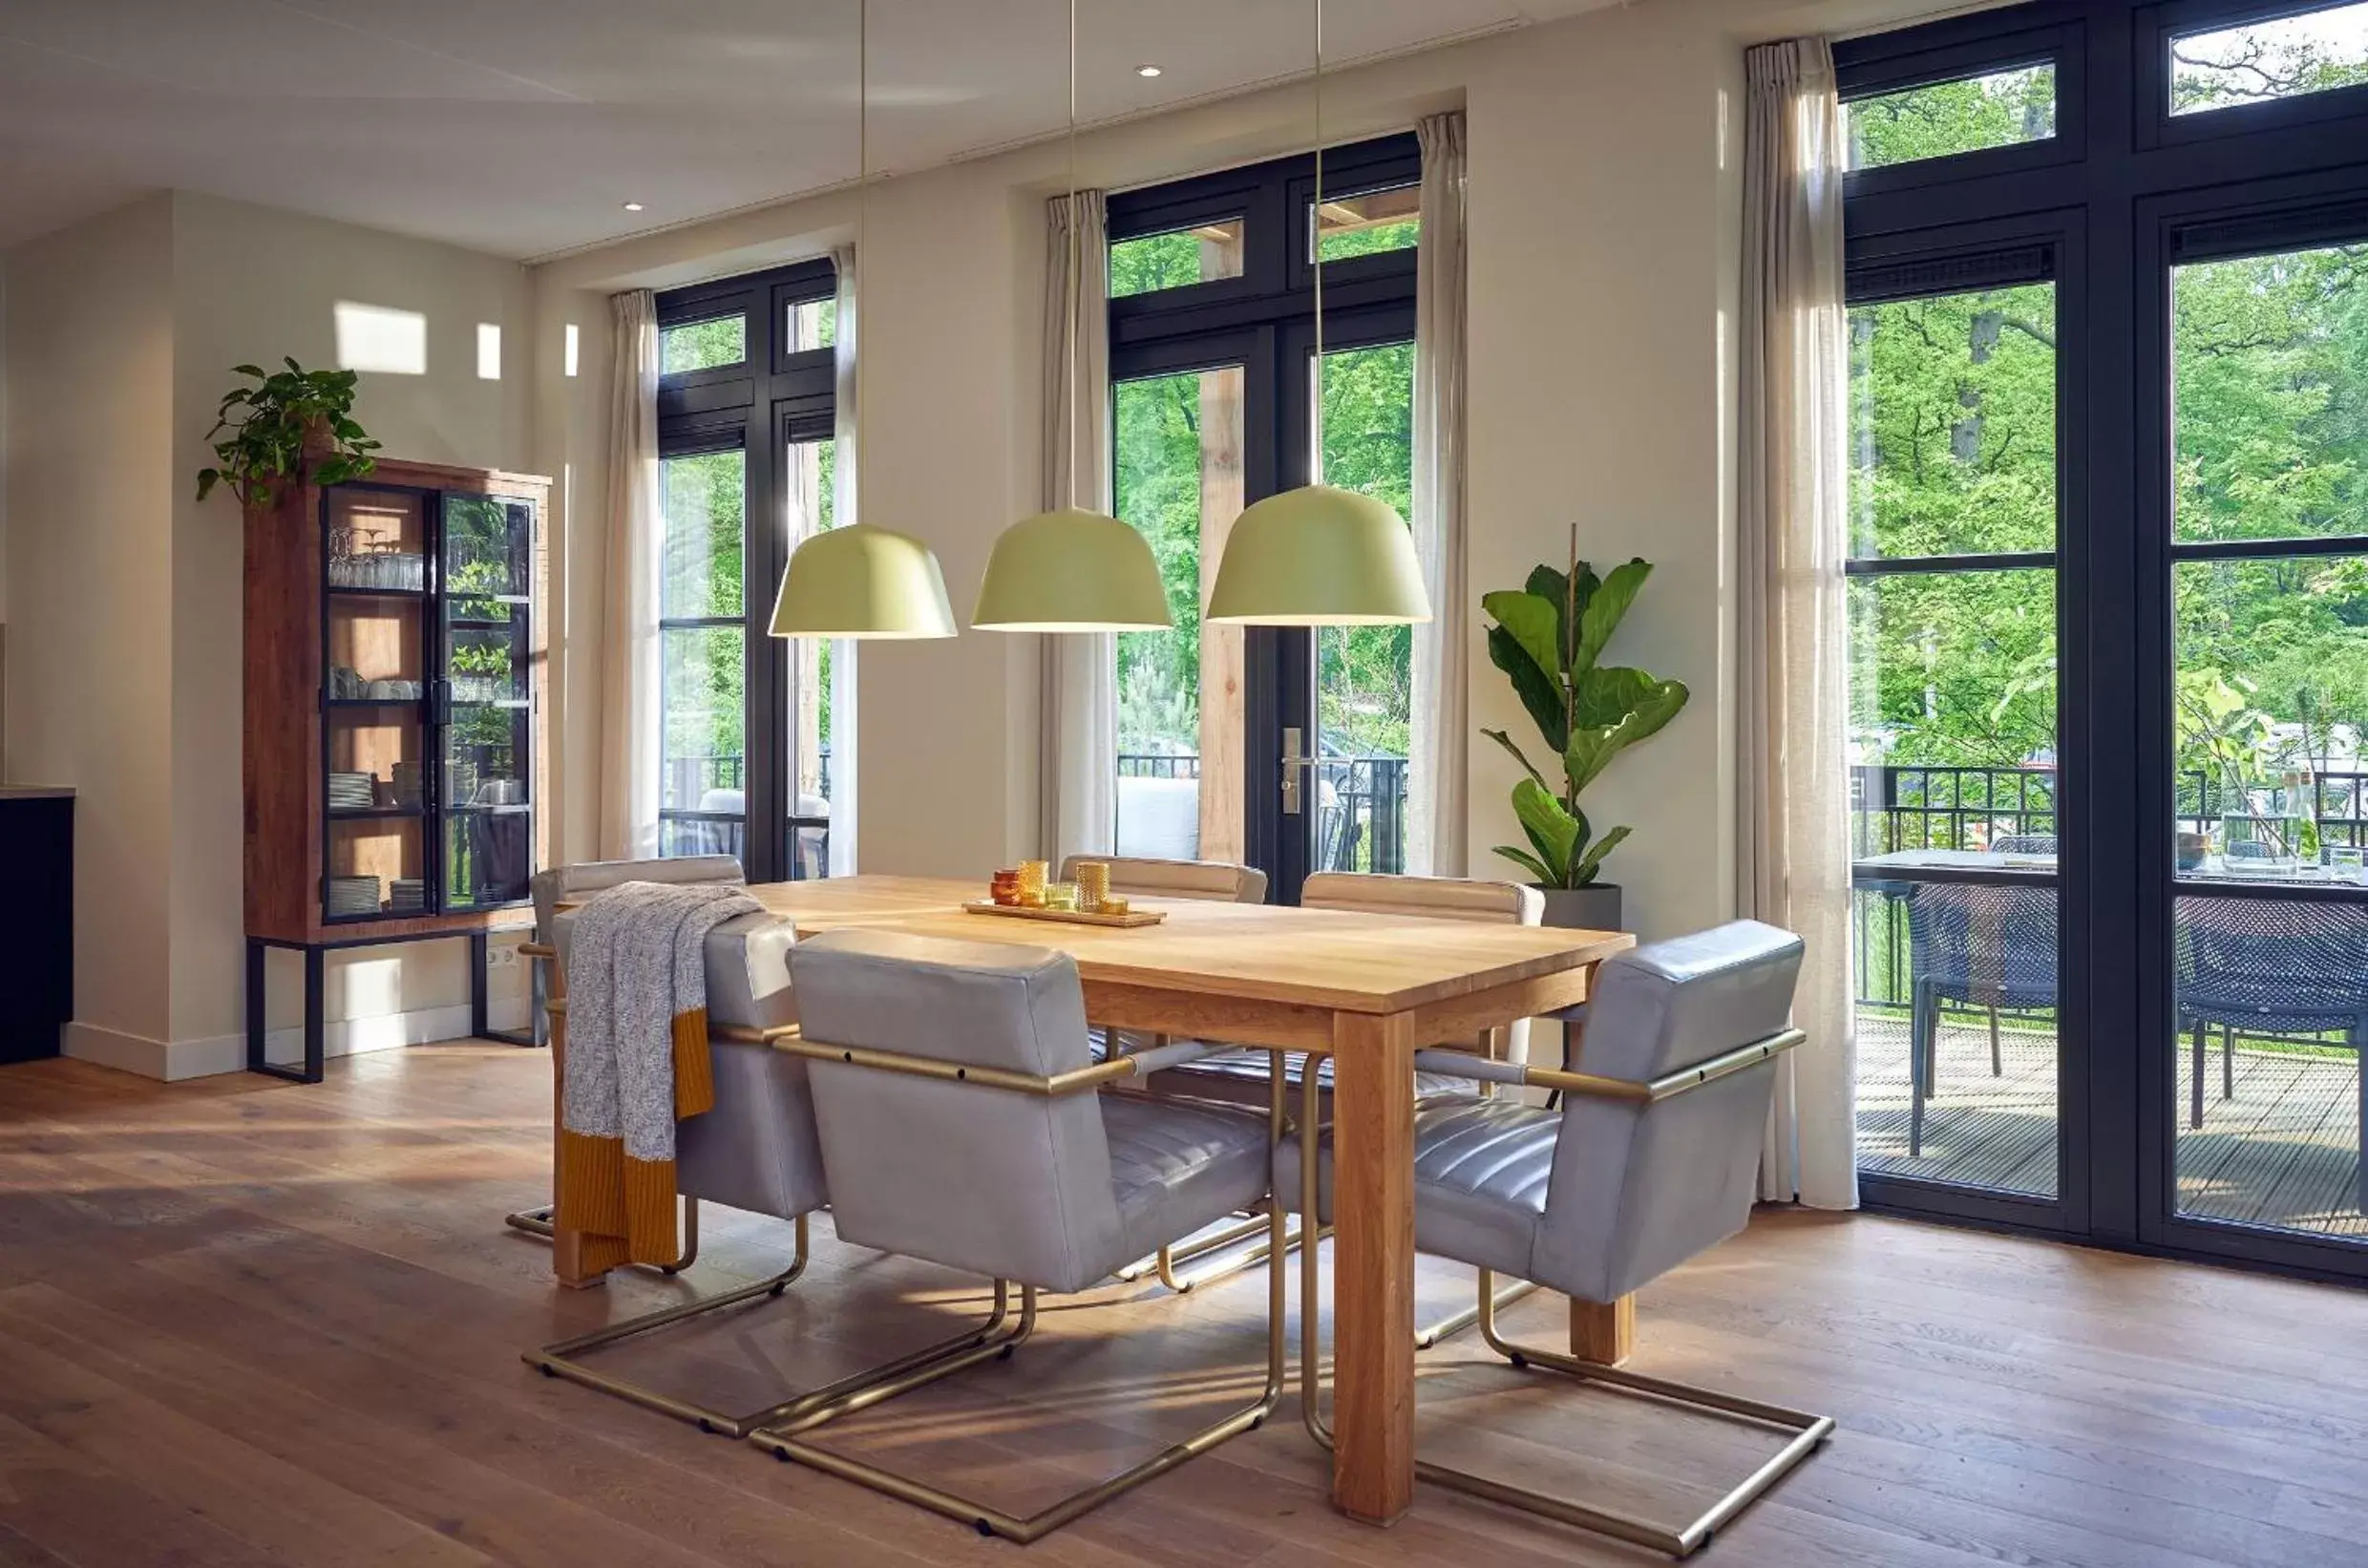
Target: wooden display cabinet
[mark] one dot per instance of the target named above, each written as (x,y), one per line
(395,764)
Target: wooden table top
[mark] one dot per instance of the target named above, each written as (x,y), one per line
(1320,958)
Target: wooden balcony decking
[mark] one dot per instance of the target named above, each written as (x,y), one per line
(2282,1151)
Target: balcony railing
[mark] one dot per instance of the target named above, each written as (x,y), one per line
(1360,805)
(1918,807)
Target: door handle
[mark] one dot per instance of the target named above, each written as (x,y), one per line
(1293,765)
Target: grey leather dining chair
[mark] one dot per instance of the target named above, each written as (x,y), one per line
(1653,1159)
(962,1125)
(757,1150)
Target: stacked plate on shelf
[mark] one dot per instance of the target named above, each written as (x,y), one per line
(353,896)
(407,896)
(353,792)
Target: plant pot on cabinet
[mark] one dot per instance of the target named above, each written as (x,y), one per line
(1594,907)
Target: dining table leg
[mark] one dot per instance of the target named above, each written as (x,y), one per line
(1373,1265)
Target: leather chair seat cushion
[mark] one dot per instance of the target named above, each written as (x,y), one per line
(1177,1168)
(1481,1171)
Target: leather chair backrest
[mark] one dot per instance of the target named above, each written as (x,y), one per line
(560,883)
(1140,877)
(1433,897)
(1639,1188)
(757,1150)
(991,1180)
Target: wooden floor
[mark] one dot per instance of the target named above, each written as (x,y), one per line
(252,1323)
(2283,1150)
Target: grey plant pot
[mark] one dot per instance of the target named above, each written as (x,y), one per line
(1594,907)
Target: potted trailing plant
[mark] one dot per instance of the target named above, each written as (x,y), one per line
(1549,639)
(274,427)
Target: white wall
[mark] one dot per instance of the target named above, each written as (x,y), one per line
(90,409)
(123,592)
(249,286)
(1605,201)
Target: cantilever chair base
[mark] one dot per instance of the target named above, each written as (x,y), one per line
(561,1360)
(785,1440)
(1808,1432)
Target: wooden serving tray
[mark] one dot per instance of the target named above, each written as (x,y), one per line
(1069,916)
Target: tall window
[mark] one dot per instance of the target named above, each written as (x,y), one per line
(746,467)
(2109,281)
(1212,317)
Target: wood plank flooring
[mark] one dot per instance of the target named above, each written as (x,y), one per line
(2282,1151)
(246,1322)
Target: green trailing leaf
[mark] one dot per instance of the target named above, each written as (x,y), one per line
(266,425)
(1534,623)
(1606,607)
(1540,693)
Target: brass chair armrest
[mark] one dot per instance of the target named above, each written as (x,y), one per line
(1074,1082)
(1635,1091)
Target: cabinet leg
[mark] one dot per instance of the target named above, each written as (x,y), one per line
(476,986)
(256,1001)
(316,1015)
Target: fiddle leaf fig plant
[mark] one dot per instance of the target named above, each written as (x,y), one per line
(1549,639)
(268,424)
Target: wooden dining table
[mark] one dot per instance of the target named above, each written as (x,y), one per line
(1364,989)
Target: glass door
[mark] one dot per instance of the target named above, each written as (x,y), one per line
(1956,792)
(2267,697)
(375,627)
(1177,477)
(485,813)
(821,675)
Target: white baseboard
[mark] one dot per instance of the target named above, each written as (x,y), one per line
(174,1060)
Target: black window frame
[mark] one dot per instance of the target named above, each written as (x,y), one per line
(756,406)
(2129,181)
(1264,321)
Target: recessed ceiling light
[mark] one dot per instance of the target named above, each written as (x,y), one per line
(632,206)
(1147,71)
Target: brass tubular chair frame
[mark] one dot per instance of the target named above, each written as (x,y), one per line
(1808,1432)
(785,1439)
(561,1360)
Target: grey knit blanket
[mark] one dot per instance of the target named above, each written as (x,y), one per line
(636,960)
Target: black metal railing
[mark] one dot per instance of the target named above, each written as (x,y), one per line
(1932,806)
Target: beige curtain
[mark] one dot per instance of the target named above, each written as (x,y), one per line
(630,655)
(845,331)
(1439,769)
(1079,766)
(1792,838)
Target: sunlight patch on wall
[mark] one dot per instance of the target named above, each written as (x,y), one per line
(571,347)
(488,351)
(375,337)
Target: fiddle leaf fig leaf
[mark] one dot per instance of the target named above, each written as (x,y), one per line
(1534,624)
(1540,693)
(1605,608)
(1551,831)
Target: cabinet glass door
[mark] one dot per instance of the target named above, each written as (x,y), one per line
(485,816)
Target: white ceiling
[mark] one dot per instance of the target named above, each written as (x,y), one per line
(521,127)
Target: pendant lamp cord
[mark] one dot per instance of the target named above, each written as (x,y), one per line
(863,227)
(1074,305)
(1315,238)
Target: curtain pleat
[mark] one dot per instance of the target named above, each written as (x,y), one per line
(631,655)
(1439,769)
(1793,836)
(1079,765)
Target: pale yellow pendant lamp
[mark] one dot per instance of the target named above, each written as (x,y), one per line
(861,579)
(1318,556)
(1071,570)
